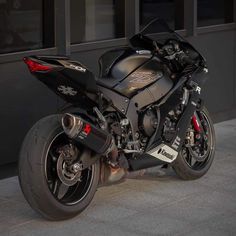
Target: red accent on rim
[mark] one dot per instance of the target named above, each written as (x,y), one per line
(36,66)
(196,124)
(87,129)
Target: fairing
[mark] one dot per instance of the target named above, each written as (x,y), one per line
(133,71)
(69,79)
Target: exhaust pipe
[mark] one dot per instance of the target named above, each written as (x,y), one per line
(97,140)
(87,134)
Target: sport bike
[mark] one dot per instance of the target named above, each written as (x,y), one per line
(144,110)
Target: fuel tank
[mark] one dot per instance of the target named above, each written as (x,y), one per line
(138,71)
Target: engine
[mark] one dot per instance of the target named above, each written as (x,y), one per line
(121,130)
(149,121)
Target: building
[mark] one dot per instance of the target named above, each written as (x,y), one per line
(84,30)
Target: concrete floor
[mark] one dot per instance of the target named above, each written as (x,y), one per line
(156,204)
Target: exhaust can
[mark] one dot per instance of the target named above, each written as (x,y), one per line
(87,134)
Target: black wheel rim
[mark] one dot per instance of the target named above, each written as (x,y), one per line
(188,158)
(67,195)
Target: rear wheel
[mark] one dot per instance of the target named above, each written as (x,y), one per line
(53,183)
(198,151)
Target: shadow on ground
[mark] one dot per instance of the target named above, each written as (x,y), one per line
(157,203)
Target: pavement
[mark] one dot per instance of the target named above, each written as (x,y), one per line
(157,203)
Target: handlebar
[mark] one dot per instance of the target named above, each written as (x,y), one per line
(172,50)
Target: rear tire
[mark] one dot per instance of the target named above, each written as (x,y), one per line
(33,178)
(183,169)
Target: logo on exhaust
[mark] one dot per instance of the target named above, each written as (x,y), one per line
(85,132)
(87,129)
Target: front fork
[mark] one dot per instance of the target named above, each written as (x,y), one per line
(196,123)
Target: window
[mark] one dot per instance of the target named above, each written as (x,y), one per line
(94,20)
(172,11)
(21,25)
(214,12)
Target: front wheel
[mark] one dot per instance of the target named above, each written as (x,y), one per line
(197,154)
(52,184)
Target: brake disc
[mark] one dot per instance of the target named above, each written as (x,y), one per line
(195,153)
(65,174)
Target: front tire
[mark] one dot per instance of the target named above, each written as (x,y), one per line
(38,174)
(185,166)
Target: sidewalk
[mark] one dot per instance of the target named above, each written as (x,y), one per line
(155,204)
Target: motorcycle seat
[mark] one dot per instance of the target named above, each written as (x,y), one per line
(107,60)
(107,82)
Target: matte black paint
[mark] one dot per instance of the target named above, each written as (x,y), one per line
(65,76)
(144,161)
(127,71)
(93,137)
(127,65)
(24,100)
(145,73)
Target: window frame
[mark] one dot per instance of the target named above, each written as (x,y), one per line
(228,17)
(131,9)
(131,27)
(178,14)
(48,33)
(62,30)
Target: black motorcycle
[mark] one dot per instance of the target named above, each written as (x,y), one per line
(144,110)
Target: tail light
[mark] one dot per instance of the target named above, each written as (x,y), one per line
(35,66)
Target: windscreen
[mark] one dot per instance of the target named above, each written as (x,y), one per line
(162,31)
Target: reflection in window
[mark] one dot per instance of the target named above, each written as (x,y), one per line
(169,10)
(20,25)
(214,12)
(93,20)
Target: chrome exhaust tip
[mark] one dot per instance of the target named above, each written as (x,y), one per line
(72,125)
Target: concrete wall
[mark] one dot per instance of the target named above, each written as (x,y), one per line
(219,50)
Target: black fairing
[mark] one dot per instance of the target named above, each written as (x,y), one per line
(75,71)
(136,75)
(132,71)
(71,80)
(147,71)
(129,64)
